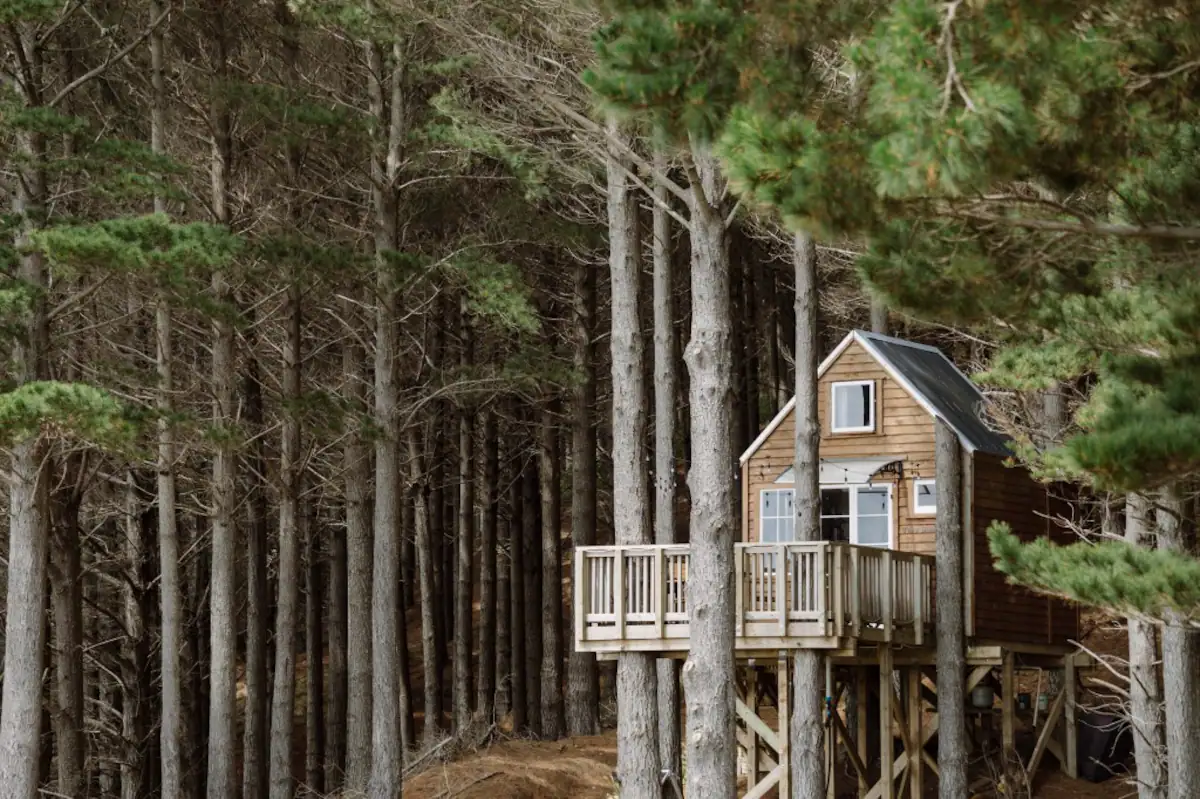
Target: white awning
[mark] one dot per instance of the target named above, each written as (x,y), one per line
(847,471)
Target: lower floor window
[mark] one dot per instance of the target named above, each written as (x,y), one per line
(855,514)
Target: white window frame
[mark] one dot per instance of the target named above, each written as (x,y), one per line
(854,489)
(762,514)
(872,415)
(916,508)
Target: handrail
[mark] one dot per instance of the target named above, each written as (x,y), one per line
(784,591)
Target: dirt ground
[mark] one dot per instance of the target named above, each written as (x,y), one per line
(581,768)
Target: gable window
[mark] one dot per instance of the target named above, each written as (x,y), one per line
(924,497)
(778,515)
(852,407)
(857,514)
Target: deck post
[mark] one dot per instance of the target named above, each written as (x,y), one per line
(785,712)
(660,593)
(619,590)
(580,593)
(1008,709)
(886,596)
(752,752)
(916,764)
(834,554)
(781,592)
(887,777)
(860,738)
(1070,739)
(855,592)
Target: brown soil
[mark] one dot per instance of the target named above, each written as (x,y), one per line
(578,768)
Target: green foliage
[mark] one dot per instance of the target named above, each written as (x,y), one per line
(496,292)
(63,410)
(1112,574)
(28,11)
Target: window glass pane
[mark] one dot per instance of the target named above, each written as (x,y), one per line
(835,502)
(787,529)
(789,503)
(873,530)
(872,501)
(835,529)
(769,532)
(852,406)
(768,503)
(926,494)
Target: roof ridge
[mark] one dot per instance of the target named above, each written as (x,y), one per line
(901,341)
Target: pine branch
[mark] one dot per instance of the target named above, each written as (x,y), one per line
(1168,232)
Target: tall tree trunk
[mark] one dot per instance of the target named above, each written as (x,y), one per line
(287,613)
(135,683)
(516,550)
(531,539)
(223,601)
(666,381)
(197,593)
(1145,695)
(28,537)
(67,604)
(171,670)
(879,316)
(637,694)
(314,650)
(554,723)
(465,543)
(583,689)
(255,745)
(387,755)
(417,485)
(335,722)
(1181,661)
(485,694)
(709,672)
(504,661)
(357,465)
(951,637)
(807,728)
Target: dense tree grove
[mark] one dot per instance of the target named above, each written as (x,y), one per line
(327,329)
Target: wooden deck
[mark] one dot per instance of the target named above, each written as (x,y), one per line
(819,595)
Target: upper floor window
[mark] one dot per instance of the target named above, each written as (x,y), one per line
(852,408)
(924,497)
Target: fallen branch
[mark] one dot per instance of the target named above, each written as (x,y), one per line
(449,792)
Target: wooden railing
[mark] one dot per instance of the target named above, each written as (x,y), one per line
(634,598)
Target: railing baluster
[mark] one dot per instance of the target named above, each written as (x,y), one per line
(781,587)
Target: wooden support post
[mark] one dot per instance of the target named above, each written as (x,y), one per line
(916,712)
(619,591)
(861,740)
(1008,712)
(753,744)
(1071,738)
(580,596)
(886,773)
(781,592)
(1051,722)
(785,710)
(660,593)
(888,595)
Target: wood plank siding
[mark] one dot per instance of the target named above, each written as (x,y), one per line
(903,429)
(1005,612)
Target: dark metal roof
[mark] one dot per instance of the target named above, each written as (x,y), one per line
(941,387)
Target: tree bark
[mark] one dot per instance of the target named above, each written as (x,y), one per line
(356,462)
(417,485)
(335,727)
(807,728)
(465,544)
(287,612)
(638,764)
(1145,695)
(951,637)
(583,689)
(709,672)
(516,553)
(504,660)
(387,754)
(485,694)
(223,600)
(255,743)
(67,604)
(666,381)
(1180,661)
(554,723)
(879,316)
(314,649)
(531,540)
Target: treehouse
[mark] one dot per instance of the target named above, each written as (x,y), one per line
(864,594)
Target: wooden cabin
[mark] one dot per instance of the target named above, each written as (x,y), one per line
(877,399)
(864,594)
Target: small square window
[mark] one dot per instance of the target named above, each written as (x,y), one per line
(924,497)
(852,409)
